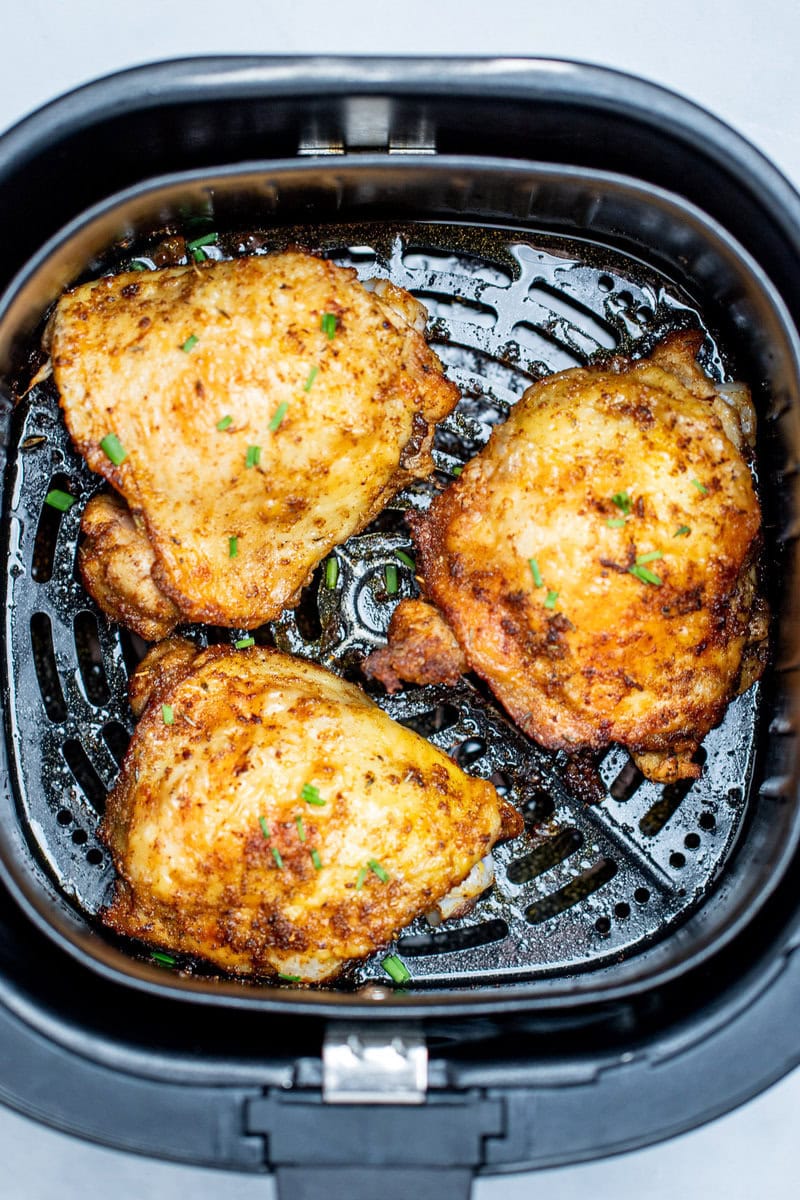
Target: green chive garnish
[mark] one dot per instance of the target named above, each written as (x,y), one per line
(362,875)
(233,547)
(289,978)
(616,522)
(312,375)
(165,959)
(280,413)
(406,559)
(378,870)
(702,490)
(244,642)
(550,599)
(316,860)
(224,423)
(331,572)
(276,854)
(112,448)
(396,969)
(60,500)
(167,714)
(311,795)
(641,559)
(457,471)
(301,829)
(264,827)
(328,325)
(136,264)
(622,501)
(253,456)
(199,255)
(646,575)
(205,240)
(535,572)
(190,343)
(682,531)
(390,575)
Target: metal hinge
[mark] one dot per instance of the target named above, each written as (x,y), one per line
(367,124)
(385,1064)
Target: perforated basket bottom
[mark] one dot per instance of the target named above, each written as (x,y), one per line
(598,873)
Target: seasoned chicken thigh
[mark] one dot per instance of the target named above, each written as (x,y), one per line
(270,818)
(252,414)
(596,562)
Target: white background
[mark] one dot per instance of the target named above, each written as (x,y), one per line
(740,60)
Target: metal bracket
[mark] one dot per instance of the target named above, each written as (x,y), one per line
(379,1065)
(368,124)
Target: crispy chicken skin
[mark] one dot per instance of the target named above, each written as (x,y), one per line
(639,465)
(219,854)
(241,418)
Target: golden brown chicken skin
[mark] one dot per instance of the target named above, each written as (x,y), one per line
(271,818)
(596,562)
(261,411)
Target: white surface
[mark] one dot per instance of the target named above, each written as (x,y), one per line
(738,59)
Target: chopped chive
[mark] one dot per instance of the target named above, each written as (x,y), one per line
(362,875)
(550,599)
(253,456)
(702,490)
(316,860)
(165,959)
(331,572)
(406,559)
(276,854)
(301,829)
(136,264)
(328,325)
(390,576)
(646,575)
(167,714)
(312,375)
(224,423)
(60,500)
(264,827)
(233,547)
(280,413)
(190,343)
(378,870)
(457,471)
(641,559)
(682,531)
(289,978)
(112,448)
(616,522)
(244,642)
(535,572)
(311,795)
(622,501)
(199,255)
(398,970)
(205,240)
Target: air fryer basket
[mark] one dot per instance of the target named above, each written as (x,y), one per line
(633,925)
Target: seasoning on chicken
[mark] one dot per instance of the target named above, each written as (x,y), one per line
(269,817)
(252,414)
(596,562)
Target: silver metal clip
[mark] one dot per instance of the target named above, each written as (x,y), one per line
(384,1065)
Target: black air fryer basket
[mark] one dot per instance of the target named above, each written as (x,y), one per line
(633,972)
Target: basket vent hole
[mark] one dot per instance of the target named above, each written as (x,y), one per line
(418,258)
(352,256)
(117,738)
(80,837)
(449,940)
(444,716)
(64,816)
(545,856)
(133,649)
(470,312)
(659,813)
(44,662)
(502,782)
(469,751)
(641,895)
(677,860)
(578,889)
(94,856)
(539,808)
(44,545)
(84,774)
(627,782)
(692,841)
(622,910)
(707,821)
(589,325)
(546,347)
(90,658)
(603,925)
(606,284)
(306,615)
